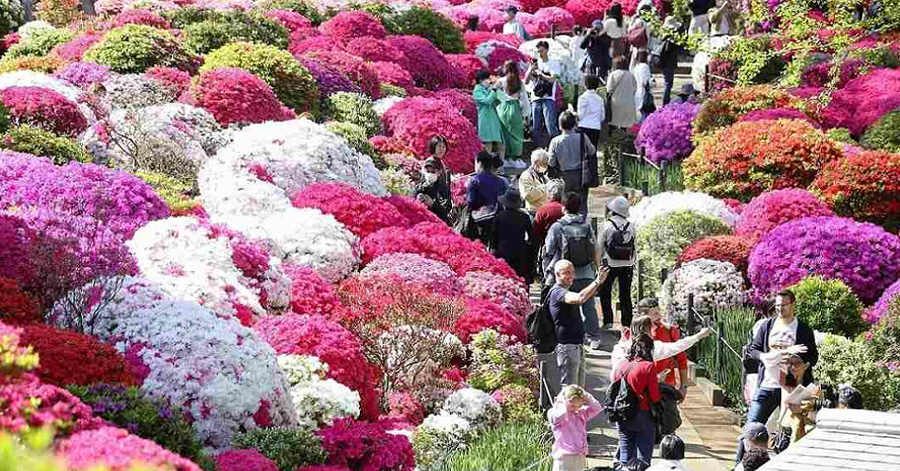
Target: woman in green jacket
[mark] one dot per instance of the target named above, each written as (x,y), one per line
(510,112)
(488,121)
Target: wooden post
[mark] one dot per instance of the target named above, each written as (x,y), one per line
(706,79)
(552,31)
(621,165)
(690,314)
(645,188)
(662,176)
(546,400)
(720,340)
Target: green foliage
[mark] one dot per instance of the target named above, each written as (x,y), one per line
(637,173)
(884,134)
(12,15)
(136,48)
(39,43)
(436,440)
(841,135)
(518,403)
(433,26)
(147,418)
(828,306)
(509,447)
(293,84)
(884,338)
(388,89)
(354,108)
(846,361)
(182,17)
(757,61)
(382,11)
(177,194)
(881,56)
(396,181)
(36,141)
(288,448)
(355,136)
(498,361)
(725,369)
(4,118)
(306,8)
(211,34)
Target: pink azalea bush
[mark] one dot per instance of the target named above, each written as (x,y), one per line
(312,294)
(862,255)
(476,38)
(333,344)
(118,451)
(316,43)
(777,113)
(26,403)
(362,446)
(235,96)
(353,24)
(83,75)
(584,12)
(351,66)
(863,100)
(496,54)
(394,74)
(506,293)
(176,80)
(531,6)
(244,460)
(467,65)
(376,50)
(416,269)
(819,75)
(405,407)
(362,214)
(44,108)
(290,20)
(774,208)
(16,243)
(411,209)
(73,50)
(460,100)
(427,65)
(541,23)
(140,17)
(873,314)
(481,315)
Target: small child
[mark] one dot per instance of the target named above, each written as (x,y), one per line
(571,411)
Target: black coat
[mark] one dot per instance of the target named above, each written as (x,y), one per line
(805,336)
(597,48)
(700,7)
(439,191)
(665,412)
(509,239)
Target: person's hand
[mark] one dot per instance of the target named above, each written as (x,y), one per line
(602,274)
(425,199)
(705,332)
(799,349)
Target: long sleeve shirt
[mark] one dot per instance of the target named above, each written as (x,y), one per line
(440,193)
(661,350)
(484,189)
(670,333)
(570,428)
(641,377)
(591,110)
(605,232)
(566,151)
(553,250)
(533,187)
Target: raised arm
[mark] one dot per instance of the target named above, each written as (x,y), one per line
(663,350)
(582,296)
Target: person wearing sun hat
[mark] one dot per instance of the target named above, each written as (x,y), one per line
(512,233)
(615,243)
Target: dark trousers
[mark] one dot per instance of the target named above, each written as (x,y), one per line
(668,73)
(593,135)
(624,275)
(765,401)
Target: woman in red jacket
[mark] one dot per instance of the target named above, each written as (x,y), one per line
(637,435)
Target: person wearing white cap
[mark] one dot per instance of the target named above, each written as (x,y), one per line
(615,243)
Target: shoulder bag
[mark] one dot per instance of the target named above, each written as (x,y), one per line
(590,173)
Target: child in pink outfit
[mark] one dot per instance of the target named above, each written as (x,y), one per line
(571,411)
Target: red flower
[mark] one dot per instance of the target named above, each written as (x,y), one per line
(864,186)
(44,108)
(16,306)
(353,24)
(426,63)
(732,249)
(236,96)
(68,357)
(481,315)
(361,213)
(364,446)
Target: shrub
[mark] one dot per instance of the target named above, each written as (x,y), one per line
(732,249)
(16,306)
(27,404)
(136,48)
(376,50)
(290,20)
(353,24)
(293,84)
(140,17)
(74,50)
(72,358)
(180,18)
(12,15)
(774,208)
(329,79)
(362,446)
(148,418)
(354,108)
(244,460)
(84,75)
(40,43)
(883,339)
(863,101)
(433,26)
(519,403)
(59,13)
(666,134)
(499,361)
(131,91)
(880,308)
(828,306)
(176,194)
(351,66)
(845,361)
(44,108)
(361,213)
(864,186)
(209,35)
(508,447)
(41,143)
(44,65)
(111,446)
(726,106)
(304,7)
(427,65)
(746,159)
(715,285)
(356,137)
(288,448)
(390,73)
(777,113)
(884,134)
(235,96)
(481,315)
(586,11)
(437,438)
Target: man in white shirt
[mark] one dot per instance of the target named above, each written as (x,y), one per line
(591,110)
(513,27)
(541,76)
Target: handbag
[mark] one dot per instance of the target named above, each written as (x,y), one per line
(637,37)
(484,213)
(590,174)
(465,225)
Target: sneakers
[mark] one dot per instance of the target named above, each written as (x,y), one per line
(595,345)
(520,164)
(607,327)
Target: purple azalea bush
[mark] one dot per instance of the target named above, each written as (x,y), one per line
(330,81)
(876,312)
(83,74)
(862,255)
(666,134)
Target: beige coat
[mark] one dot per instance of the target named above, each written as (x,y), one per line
(621,86)
(533,189)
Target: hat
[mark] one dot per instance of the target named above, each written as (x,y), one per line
(597,24)
(756,433)
(687,89)
(619,206)
(510,199)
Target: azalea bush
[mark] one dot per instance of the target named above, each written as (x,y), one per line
(312,294)
(438,437)
(115,447)
(140,17)
(726,106)
(206,36)
(74,49)
(40,43)
(431,25)
(855,107)
(861,255)
(27,404)
(774,208)
(667,202)
(727,248)
(130,91)
(777,113)
(414,269)
(499,361)
(468,65)
(355,136)
(863,186)
(481,315)
(83,74)
(362,214)
(17,306)
(40,143)
(518,403)
(828,306)
(136,48)
(354,108)
(883,135)
(748,158)
(317,400)
(244,460)
(353,24)
(715,285)
(845,361)
(44,108)
(352,67)
(73,358)
(363,446)
(586,12)
(287,448)
(235,96)
(875,312)
(427,65)
(507,293)
(329,79)
(666,134)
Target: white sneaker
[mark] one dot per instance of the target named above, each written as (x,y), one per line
(520,164)
(507,163)
(595,345)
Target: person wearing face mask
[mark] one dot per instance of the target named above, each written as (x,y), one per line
(533,182)
(433,190)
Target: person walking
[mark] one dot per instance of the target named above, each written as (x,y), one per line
(512,26)
(596,45)
(568,417)
(614,27)
(621,87)
(567,154)
(482,194)
(777,340)
(617,250)
(571,238)
(533,182)
(638,33)
(542,76)
(637,435)
(486,100)
(512,233)
(564,303)
(643,96)
(433,189)
(509,110)
(667,51)
(591,110)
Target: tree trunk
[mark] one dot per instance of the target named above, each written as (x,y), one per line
(87,6)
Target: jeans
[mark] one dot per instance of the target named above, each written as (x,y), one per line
(552,375)
(637,437)
(668,73)
(765,401)
(570,360)
(624,275)
(543,113)
(588,310)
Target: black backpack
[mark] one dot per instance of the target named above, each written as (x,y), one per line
(616,247)
(621,402)
(577,244)
(540,328)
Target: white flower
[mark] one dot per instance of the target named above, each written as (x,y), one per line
(444,344)
(670,201)
(27,78)
(476,406)
(27,30)
(382,105)
(715,285)
(302,368)
(319,402)
(437,438)
(446,422)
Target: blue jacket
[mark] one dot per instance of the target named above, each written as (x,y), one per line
(484,189)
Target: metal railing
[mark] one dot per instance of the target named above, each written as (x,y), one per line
(708,78)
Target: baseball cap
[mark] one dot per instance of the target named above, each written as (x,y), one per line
(756,433)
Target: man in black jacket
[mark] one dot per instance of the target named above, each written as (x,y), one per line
(774,343)
(596,43)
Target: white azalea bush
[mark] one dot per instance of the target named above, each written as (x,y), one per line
(438,437)
(317,401)
(715,285)
(26,78)
(382,105)
(476,406)
(667,202)
(233,277)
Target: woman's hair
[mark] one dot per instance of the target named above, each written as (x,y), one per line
(620,63)
(573,392)
(849,397)
(572,202)
(641,348)
(755,459)
(433,143)
(576,31)
(482,75)
(591,82)
(540,155)
(486,159)
(543,44)
(568,120)
(472,23)
(615,11)
(642,56)
(671,448)
(641,325)
(513,82)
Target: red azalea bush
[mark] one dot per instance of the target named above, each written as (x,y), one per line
(26,403)
(330,342)
(586,11)
(819,75)
(412,210)
(864,186)
(361,213)
(481,315)
(174,79)
(476,38)
(235,96)
(459,100)
(353,67)
(290,20)
(353,24)
(312,294)
(316,43)
(73,50)
(394,74)
(140,17)
(362,446)
(69,357)
(244,460)
(774,208)
(376,50)
(545,19)
(426,63)
(726,106)
(467,65)
(732,249)
(415,121)
(865,99)
(44,108)
(16,306)
(9,41)
(117,450)
(745,159)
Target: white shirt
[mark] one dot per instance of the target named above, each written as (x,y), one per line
(612,28)
(591,110)
(551,67)
(780,334)
(514,28)
(642,74)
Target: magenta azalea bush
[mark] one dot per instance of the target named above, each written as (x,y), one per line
(862,255)
(394,74)
(880,308)
(118,451)
(235,96)
(74,50)
(508,294)
(666,134)
(312,294)
(362,446)
(140,17)
(244,460)
(330,80)
(426,63)
(290,20)
(865,99)
(353,24)
(351,66)
(362,214)
(44,108)
(774,208)
(376,50)
(481,315)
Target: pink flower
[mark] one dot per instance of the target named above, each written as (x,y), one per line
(290,20)
(177,80)
(244,460)
(863,100)
(411,209)
(361,213)
(476,38)
(774,208)
(44,108)
(417,270)
(312,294)
(405,407)
(459,100)
(506,293)
(481,315)
(376,50)
(353,24)
(427,65)
(467,65)
(140,17)
(73,50)
(118,450)
(235,96)
(353,67)
(394,74)
(363,446)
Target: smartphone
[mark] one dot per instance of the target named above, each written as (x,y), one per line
(604,263)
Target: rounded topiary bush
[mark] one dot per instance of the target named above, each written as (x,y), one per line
(748,158)
(828,306)
(846,361)
(181,17)
(356,137)
(433,26)
(715,285)
(306,8)
(235,96)
(774,208)
(884,134)
(40,43)
(288,448)
(44,108)
(864,186)
(211,34)
(41,143)
(136,48)
(353,24)
(293,84)
(354,108)
(732,249)
(354,68)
